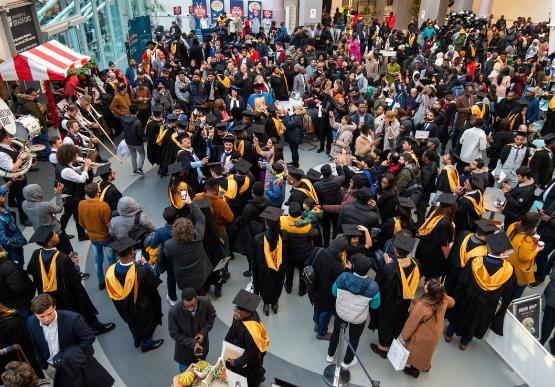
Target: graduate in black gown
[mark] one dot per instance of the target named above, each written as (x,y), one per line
(239,184)
(398,281)
(466,246)
(483,283)
(178,187)
(192,162)
(470,206)
(133,288)
(247,332)
(167,143)
(436,234)
(268,264)
(55,273)
(154,126)
(108,191)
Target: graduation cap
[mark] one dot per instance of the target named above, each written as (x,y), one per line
(247,301)
(228,138)
(499,243)
(478,182)
(250,114)
(406,202)
(157,109)
(295,173)
(182,123)
(446,199)
(522,103)
(42,235)
(183,135)
(203,203)
(486,226)
(211,118)
(239,128)
(236,88)
(257,85)
(171,117)
(480,94)
(150,42)
(123,244)
(271,213)
(221,125)
(243,166)
(215,165)
(176,168)
(549,138)
(259,129)
(351,230)
(313,175)
(103,169)
(201,106)
(404,243)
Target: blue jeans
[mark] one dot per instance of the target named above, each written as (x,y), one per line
(322,318)
(16,254)
(170,281)
(451,331)
(102,248)
(42,139)
(183,367)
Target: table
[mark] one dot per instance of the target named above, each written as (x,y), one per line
(490,196)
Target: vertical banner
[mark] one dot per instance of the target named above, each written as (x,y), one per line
(216,9)
(140,32)
(267,15)
(200,13)
(255,9)
(236,7)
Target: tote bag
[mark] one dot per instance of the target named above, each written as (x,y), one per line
(398,355)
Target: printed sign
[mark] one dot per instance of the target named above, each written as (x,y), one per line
(22,26)
(255,8)
(528,311)
(236,7)
(177,10)
(216,9)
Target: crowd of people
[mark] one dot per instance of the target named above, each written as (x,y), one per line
(414,139)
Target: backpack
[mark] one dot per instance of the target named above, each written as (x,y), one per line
(309,275)
(138,231)
(415,190)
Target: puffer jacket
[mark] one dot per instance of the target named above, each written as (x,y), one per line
(39,211)
(360,214)
(121,224)
(295,129)
(328,190)
(133,131)
(354,294)
(10,235)
(16,288)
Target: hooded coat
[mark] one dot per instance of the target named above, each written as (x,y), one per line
(327,264)
(39,211)
(121,224)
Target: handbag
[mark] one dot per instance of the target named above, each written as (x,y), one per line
(309,275)
(398,355)
(138,231)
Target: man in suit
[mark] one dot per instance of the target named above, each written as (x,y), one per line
(464,105)
(189,323)
(63,344)
(299,82)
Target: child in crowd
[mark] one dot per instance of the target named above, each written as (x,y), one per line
(312,213)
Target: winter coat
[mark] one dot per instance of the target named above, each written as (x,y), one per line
(275,192)
(120,104)
(360,214)
(16,288)
(327,264)
(39,211)
(121,224)
(294,127)
(343,139)
(133,131)
(10,235)
(354,295)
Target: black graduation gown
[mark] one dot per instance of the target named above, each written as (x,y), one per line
(475,309)
(168,152)
(152,148)
(112,195)
(70,295)
(213,246)
(249,364)
(429,252)
(454,270)
(466,214)
(187,158)
(442,182)
(143,316)
(238,204)
(267,282)
(393,312)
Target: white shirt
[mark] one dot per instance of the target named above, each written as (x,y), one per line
(75,174)
(68,140)
(51,337)
(474,142)
(6,162)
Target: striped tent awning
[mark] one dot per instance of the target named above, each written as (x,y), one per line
(48,62)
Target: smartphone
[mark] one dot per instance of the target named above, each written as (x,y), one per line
(138,255)
(184,195)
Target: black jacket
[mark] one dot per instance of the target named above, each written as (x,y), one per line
(328,190)
(360,214)
(519,200)
(327,265)
(541,167)
(133,131)
(184,327)
(16,288)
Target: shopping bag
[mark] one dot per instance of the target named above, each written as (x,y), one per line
(123,149)
(398,355)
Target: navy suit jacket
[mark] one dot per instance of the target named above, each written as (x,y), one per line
(72,331)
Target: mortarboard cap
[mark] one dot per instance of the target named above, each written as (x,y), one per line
(259,129)
(257,85)
(446,199)
(250,114)
(221,125)
(177,167)
(243,166)
(123,244)
(183,135)
(211,118)
(272,108)
(499,243)
(204,203)
(271,213)
(182,123)
(201,106)
(228,138)
(313,175)
(171,117)
(404,242)
(236,88)
(103,169)
(157,109)
(239,128)
(486,226)
(548,138)
(406,202)
(42,235)
(247,301)
(295,173)
(350,230)
(215,165)
(478,182)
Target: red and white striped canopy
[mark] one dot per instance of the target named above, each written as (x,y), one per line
(48,62)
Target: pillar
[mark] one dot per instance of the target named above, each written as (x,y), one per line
(485,8)
(310,12)
(463,5)
(278,13)
(552,28)
(432,9)
(403,11)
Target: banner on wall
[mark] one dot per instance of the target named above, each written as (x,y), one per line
(267,15)
(216,9)
(236,7)
(140,32)
(255,10)
(201,17)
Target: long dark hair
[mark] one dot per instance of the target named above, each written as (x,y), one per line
(527,225)
(434,295)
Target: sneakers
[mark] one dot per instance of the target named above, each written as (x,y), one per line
(330,359)
(140,171)
(135,172)
(101,286)
(172,302)
(155,344)
(325,337)
(104,328)
(354,362)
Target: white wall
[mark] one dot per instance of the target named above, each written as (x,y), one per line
(538,10)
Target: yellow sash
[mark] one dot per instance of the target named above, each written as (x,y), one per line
(258,334)
(103,193)
(287,223)
(49,280)
(153,254)
(512,119)
(310,192)
(231,190)
(411,39)
(174,139)
(280,128)
(226,82)
(430,224)
(273,258)
(453,177)
(552,103)
(490,282)
(410,284)
(465,256)
(479,111)
(397,225)
(473,52)
(245,185)
(114,288)
(240,147)
(175,197)
(161,135)
(478,205)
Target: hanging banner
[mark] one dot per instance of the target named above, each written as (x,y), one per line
(267,15)
(216,9)
(255,9)
(236,7)
(23,28)
(140,32)
(200,13)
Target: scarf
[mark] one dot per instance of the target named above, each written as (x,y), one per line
(287,223)
(114,288)
(175,197)
(231,191)
(273,258)
(258,334)
(397,225)
(430,224)
(103,193)
(240,147)
(310,191)
(489,282)
(478,204)
(410,284)
(453,177)
(49,280)
(225,81)
(465,256)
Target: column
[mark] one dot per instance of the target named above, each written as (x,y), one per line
(278,13)
(403,11)
(463,5)
(552,28)
(432,9)
(485,8)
